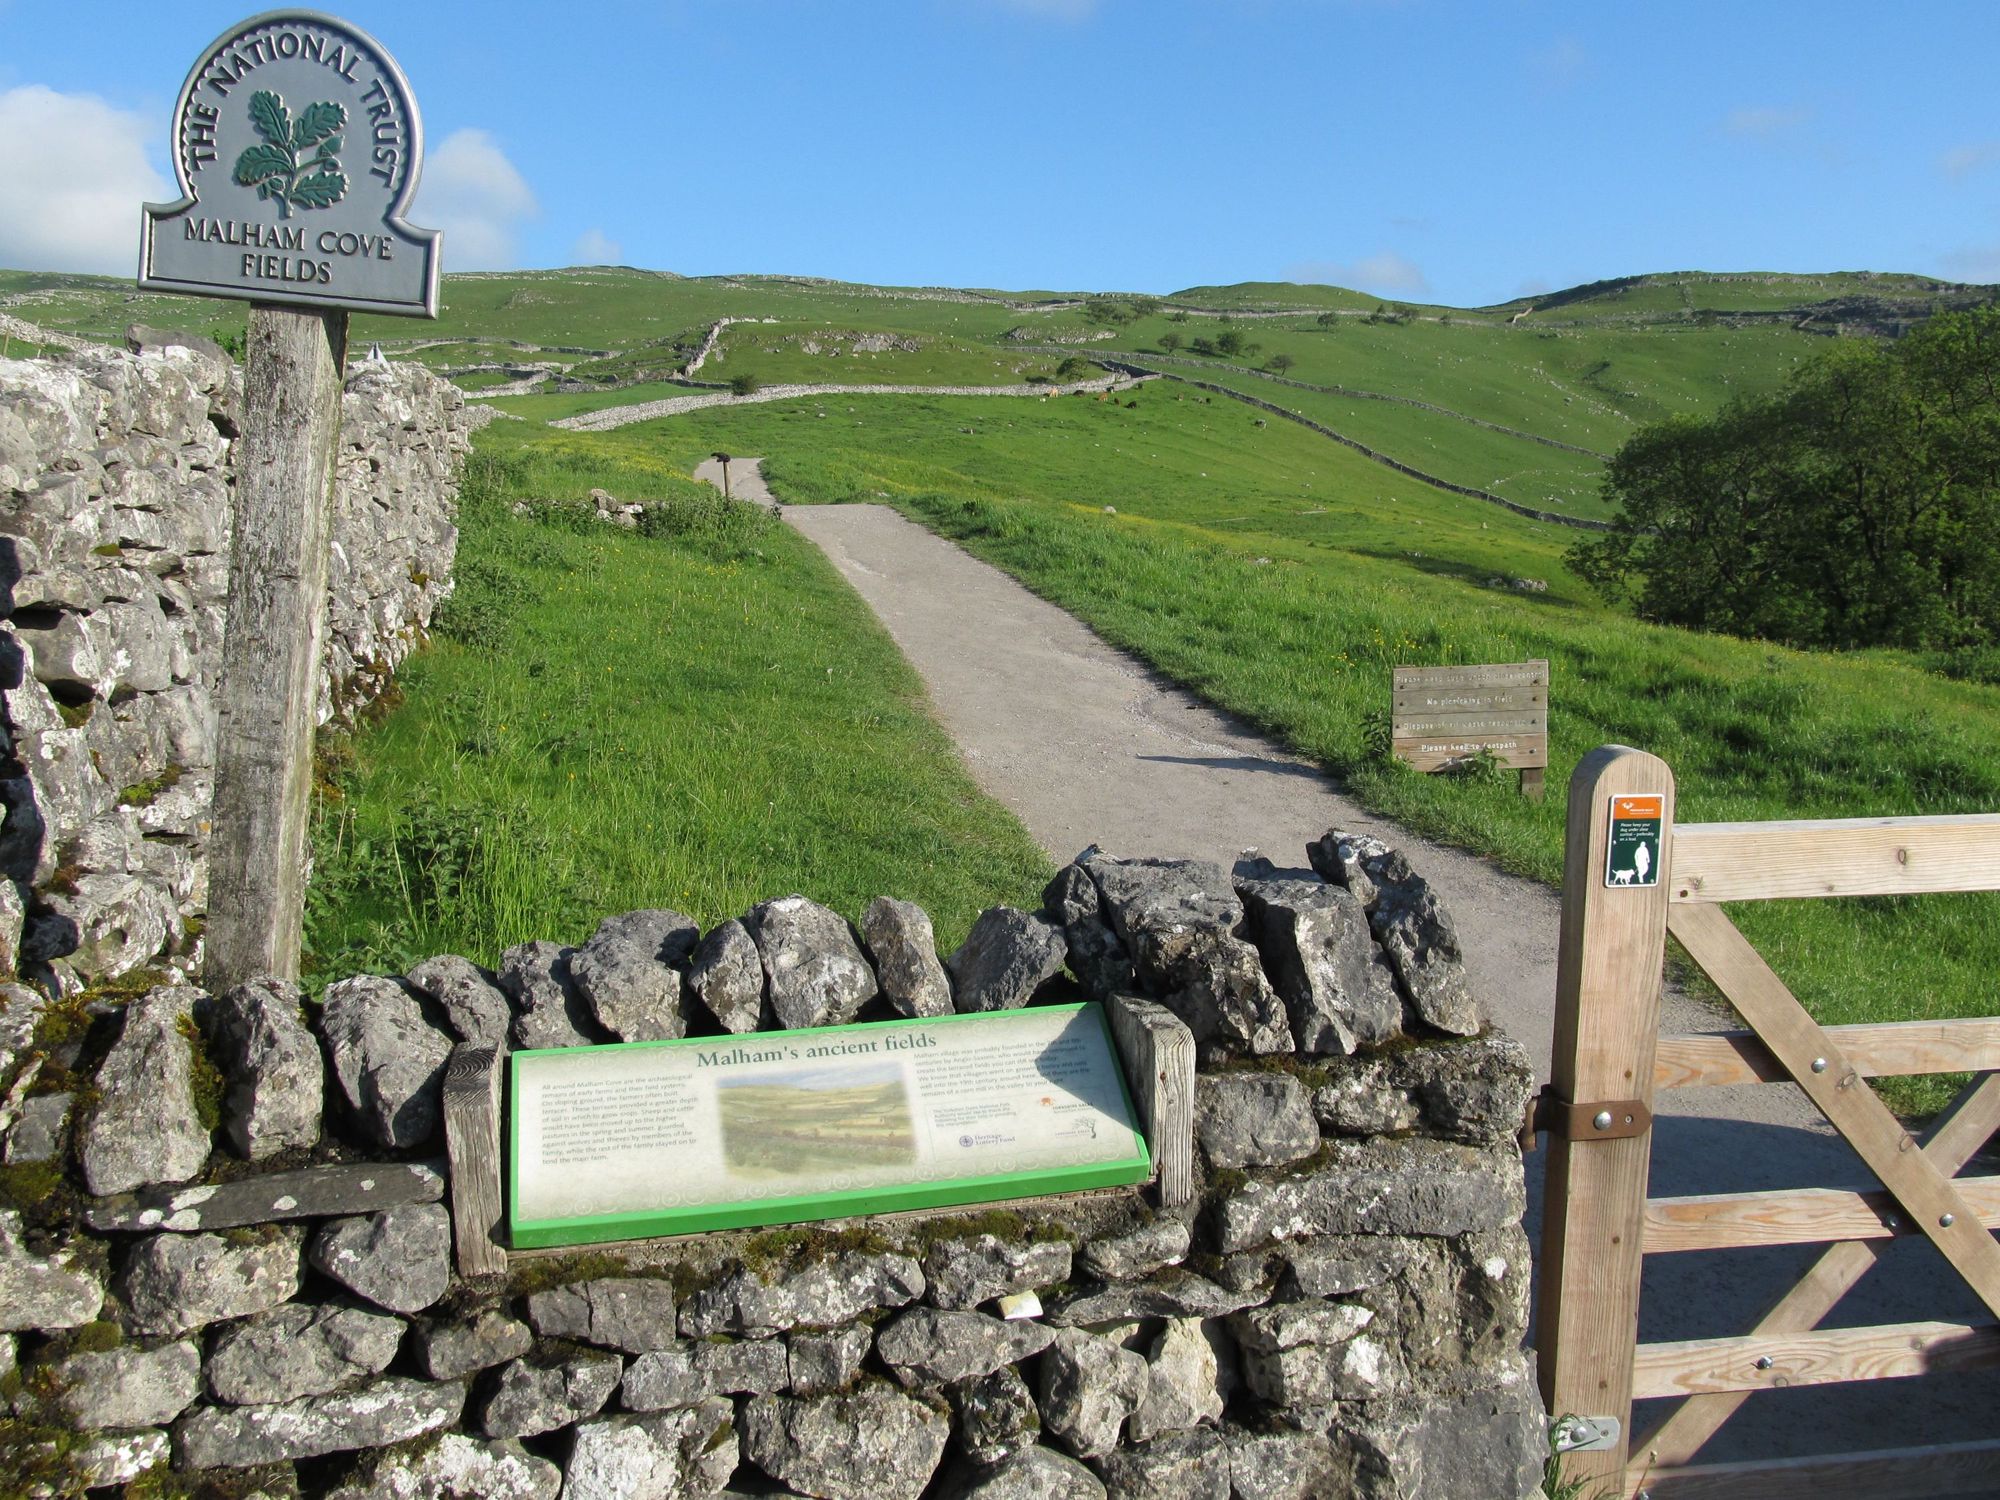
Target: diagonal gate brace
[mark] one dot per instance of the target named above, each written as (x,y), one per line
(1837,1089)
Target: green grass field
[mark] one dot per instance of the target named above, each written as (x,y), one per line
(700,720)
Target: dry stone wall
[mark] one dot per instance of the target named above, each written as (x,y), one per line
(114,555)
(228,1250)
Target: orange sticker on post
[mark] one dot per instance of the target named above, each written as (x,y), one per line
(1632,853)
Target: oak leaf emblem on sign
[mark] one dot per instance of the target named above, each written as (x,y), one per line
(298,163)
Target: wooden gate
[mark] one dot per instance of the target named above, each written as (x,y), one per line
(1618,909)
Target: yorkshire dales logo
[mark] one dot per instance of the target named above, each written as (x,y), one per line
(298,163)
(297,145)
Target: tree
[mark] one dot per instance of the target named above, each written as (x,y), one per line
(1280,363)
(1230,341)
(1327,321)
(745,384)
(1074,368)
(1170,341)
(1859,505)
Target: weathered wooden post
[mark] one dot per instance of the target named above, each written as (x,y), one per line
(723,459)
(297,144)
(1609,967)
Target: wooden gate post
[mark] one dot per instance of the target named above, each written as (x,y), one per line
(267,697)
(1607,1022)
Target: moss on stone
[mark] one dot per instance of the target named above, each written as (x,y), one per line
(205,1081)
(146,793)
(29,1184)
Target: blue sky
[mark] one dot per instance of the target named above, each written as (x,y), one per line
(1449,150)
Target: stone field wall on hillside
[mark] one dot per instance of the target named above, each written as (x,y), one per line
(228,1250)
(115,475)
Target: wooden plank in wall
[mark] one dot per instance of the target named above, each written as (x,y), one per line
(1801,1216)
(1836,857)
(1820,1356)
(1838,1092)
(1881,1050)
(1158,1052)
(1608,971)
(1967,1127)
(472,1140)
(1885,1474)
(1443,716)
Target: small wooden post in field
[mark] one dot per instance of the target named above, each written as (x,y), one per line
(1443,717)
(1608,972)
(297,144)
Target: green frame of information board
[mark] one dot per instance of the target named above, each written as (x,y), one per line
(803,1208)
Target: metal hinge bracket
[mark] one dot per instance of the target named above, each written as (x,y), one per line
(1598,1120)
(1583,1434)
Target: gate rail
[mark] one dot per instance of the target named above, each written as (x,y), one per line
(1610,1061)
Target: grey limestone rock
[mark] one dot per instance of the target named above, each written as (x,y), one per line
(1006,957)
(630,974)
(903,946)
(1343,1264)
(1253,1119)
(965,1272)
(1172,1293)
(821,1294)
(1461,1301)
(1183,1387)
(272,1065)
(727,976)
(926,1347)
(472,1003)
(1138,1253)
(530,1399)
(177,1282)
(458,1466)
(449,1350)
(144,1128)
(300,1350)
(1181,922)
(1030,1473)
(660,1456)
(129,1386)
(996,1415)
(1089,1386)
(40,1132)
(42,1292)
(632,1313)
(691,1372)
(1318,951)
(1475,1091)
(104,1459)
(388,1059)
(1286,1465)
(1411,1186)
(814,969)
(399,1258)
(1181,1466)
(1095,955)
(1363,1099)
(826,1360)
(1343,860)
(1317,1353)
(1487,1443)
(270,1197)
(391,1410)
(871,1444)
(13,916)
(549,1010)
(21,1008)
(1411,924)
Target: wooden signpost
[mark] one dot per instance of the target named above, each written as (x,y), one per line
(1444,717)
(297,144)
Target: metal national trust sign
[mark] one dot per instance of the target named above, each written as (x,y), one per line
(297,144)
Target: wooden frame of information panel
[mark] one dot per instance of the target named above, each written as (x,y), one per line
(1599,1222)
(1443,717)
(1126,1159)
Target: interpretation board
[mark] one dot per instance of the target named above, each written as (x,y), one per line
(297,144)
(778,1127)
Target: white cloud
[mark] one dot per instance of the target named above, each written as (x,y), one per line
(596,248)
(1961,162)
(72,177)
(1763,122)
(1383,272)
(473,193)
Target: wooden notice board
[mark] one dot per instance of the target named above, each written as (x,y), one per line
(1443,717)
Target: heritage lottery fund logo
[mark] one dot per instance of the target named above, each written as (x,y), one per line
(297,144)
